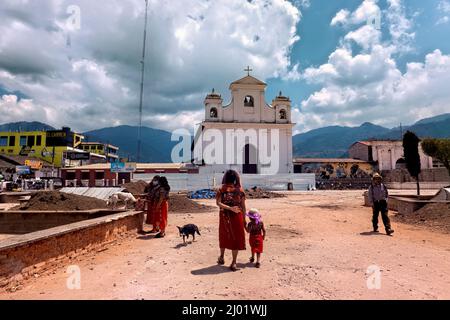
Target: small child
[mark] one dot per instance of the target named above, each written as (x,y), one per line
(257,235)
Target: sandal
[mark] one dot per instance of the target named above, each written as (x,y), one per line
(160,235)
(258,265)
(221,261)
(252,260)
(233,267)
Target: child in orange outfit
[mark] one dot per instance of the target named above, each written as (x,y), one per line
(257,235)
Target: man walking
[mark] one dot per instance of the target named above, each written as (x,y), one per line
(378,197)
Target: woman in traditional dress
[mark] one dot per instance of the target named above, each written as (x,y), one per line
(161,208)
(232,223)
(151,190)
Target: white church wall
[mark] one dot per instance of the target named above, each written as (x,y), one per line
(247,119)
(193,182)
(228,113)
(231,143)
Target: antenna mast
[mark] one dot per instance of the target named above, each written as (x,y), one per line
(142,85)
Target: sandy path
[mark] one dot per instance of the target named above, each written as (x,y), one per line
(315,250)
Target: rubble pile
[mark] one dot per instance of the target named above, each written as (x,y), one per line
(434,215)
(135,188)
(258,193)
(181,203)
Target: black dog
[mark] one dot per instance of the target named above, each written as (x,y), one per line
(189,229)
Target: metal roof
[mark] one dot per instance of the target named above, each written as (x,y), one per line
(99,193)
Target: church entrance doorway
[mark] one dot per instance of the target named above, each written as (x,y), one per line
(250,162)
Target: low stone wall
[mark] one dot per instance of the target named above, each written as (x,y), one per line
(21,222)
(13,197)
(427,175)
(22,257)
(413,185)
(404,204)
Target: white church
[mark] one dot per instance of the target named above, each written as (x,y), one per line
(248,135)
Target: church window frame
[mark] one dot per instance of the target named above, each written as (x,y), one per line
(249,101)
(283,114)
(213,113)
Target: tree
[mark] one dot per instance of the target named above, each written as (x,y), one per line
(412,157)
(438,149)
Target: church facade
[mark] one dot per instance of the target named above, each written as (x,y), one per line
(248,135)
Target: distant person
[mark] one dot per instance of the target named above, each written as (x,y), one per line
(161,206)
(378,199)
(257,233)
(232,222)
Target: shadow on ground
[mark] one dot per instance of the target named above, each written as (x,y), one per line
(183,245)
(218,269)
(371,233)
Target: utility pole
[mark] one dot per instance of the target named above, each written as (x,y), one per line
(142,86)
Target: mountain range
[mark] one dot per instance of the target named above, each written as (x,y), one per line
(333,142)
(327,142)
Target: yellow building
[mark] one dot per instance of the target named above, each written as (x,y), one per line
(49,146)
(109,151)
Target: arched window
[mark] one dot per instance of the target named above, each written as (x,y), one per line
(283,115)
(249,101)
(400,164)
(213,113)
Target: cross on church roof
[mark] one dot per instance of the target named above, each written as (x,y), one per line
(248,70)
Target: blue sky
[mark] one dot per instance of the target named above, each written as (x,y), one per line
(69,62)
(318,39)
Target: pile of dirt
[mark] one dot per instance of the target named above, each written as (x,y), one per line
(258,193)
(434,215)
(181,203)
(59,201)
(135,188)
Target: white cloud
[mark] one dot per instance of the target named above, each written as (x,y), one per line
(367,11)
(444,10)
(366,36)
(193,45)
(341,17)
(444,6)
(12,109)
(400,26)
(369,86)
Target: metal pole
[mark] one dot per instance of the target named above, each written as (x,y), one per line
(142,85)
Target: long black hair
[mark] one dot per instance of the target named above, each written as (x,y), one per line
(164,183)
(232,177)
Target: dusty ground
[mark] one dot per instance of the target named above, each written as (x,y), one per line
(319,246)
